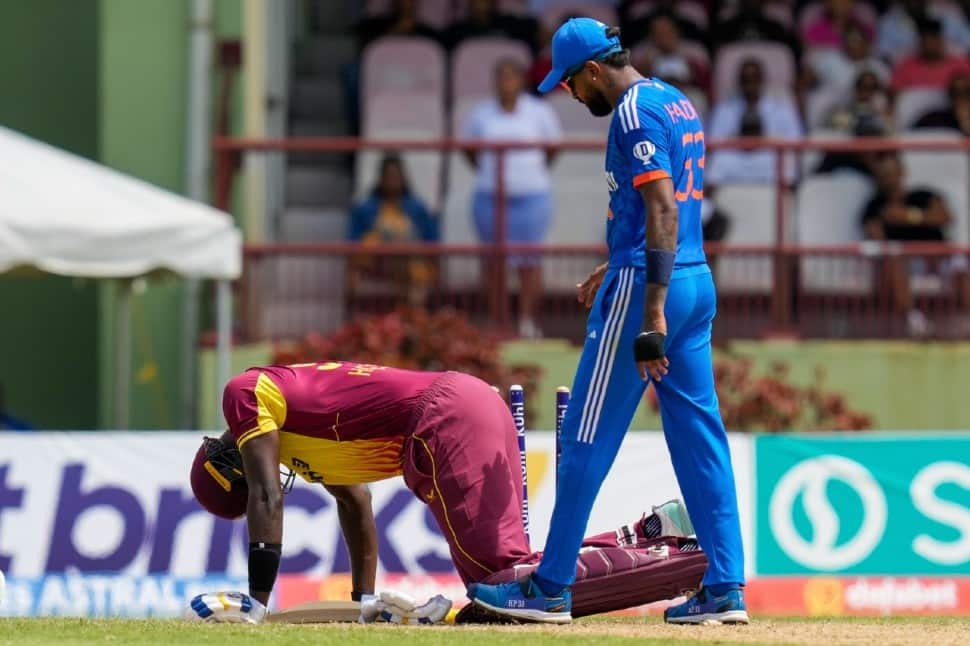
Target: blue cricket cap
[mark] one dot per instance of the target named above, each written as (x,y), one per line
(578,40)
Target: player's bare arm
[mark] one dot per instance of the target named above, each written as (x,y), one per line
(661,235)
(264,512)
(360,532)
(588,288)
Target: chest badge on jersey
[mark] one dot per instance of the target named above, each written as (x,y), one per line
(644,151)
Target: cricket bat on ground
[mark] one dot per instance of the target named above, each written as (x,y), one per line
(318,612)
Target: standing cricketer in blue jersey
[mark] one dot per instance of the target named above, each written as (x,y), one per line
(651,308)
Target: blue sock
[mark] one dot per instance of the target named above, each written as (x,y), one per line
(719,589)
(548,588)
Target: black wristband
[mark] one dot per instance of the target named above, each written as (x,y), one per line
(264,563)
(648,346)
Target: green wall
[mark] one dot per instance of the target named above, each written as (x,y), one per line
(143,74)
(106,79)
(48,324)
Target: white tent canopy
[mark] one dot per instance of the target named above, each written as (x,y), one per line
(66,215)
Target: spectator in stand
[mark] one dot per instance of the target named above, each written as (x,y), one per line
(7,421)
(915,215)
(930,67)
(402,20)
(514,115)
(752,113)
(868,102)
(955,116)
(862,163)
(666,59)
(837,70)
(751,23)
(393,213)
(829,30)
(484,19)
(897,32)
(643,24)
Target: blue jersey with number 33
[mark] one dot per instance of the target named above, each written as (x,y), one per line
(656,133)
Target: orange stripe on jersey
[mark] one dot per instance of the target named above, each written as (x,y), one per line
(650,176)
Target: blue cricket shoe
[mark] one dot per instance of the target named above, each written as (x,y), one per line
(523,600)
(704,607)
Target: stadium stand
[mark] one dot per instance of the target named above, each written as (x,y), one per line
(412,88)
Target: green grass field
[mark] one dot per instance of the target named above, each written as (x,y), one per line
(648,631)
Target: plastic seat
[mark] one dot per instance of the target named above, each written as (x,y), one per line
(751,209)
(777,60)
(828,212)
(913,103)
(473,65)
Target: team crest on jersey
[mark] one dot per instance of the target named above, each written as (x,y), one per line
(644,150)
(611,181)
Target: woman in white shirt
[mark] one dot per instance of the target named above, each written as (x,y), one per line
(514,115)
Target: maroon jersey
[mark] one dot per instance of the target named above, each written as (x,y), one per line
(339,422)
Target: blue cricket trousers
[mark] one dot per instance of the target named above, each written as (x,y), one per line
(606,392)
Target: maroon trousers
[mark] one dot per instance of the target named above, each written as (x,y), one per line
(462,459)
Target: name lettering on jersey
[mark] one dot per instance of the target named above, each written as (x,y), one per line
(611,182)
(682,109)
(304,470)
(644,151)
(364,370)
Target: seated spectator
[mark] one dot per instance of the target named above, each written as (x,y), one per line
(838,70)
(751,114)
(751,23)
(484,19)
(664,58)
(830,76)
(897,33)
(402,20)
(7,421)
(392,213)
(930,67)
(643,24)
(829,30)
(862,163)
(895,213)
(514,115)
(868,102)
(955,116)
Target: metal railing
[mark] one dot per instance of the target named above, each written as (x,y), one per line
(778,289)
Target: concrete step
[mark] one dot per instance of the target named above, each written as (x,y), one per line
(325,55)
(317,186)
(319,99)
(306,224)
(333,16)
(320,128)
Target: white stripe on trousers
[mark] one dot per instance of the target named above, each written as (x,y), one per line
(612,328)
(612,356)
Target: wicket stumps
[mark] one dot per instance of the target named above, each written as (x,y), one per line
(517,407)
(517,404)
(562,401)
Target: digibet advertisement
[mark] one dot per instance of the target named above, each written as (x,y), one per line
(105,524)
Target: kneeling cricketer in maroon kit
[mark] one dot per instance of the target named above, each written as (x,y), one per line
(345,424)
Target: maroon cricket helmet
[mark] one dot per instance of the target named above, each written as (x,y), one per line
(217,479)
